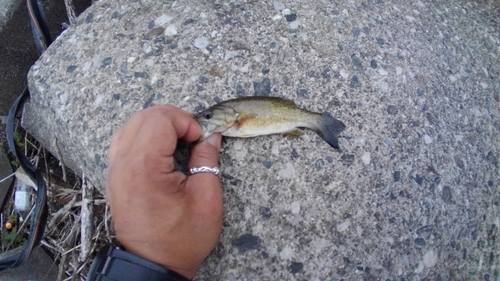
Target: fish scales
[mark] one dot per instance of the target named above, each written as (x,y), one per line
(255,114)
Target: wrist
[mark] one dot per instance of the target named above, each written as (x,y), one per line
(176,262)
(114,263)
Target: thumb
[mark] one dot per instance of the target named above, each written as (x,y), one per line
(206,153)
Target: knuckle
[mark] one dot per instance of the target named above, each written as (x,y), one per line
(206,155)
(204,152)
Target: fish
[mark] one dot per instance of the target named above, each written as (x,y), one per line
(256,116)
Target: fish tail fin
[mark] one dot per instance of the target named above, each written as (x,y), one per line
(328,129)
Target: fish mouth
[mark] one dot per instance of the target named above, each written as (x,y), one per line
(206,132)
(203,125)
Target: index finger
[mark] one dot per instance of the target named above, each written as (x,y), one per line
(162,127)
(124,139)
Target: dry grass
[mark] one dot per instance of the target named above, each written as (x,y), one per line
(77,226)
(63,235)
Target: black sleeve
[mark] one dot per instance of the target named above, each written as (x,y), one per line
(115,264)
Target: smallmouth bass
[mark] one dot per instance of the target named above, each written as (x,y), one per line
(255,116)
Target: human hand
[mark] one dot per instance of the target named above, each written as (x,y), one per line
(160,214)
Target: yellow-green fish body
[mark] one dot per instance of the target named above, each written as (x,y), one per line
(255,116)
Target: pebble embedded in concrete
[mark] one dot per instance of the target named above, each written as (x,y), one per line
(295,207)
(427,139)
(162,20)
(171,30)
(278,6)
(287,253)
(366,157)
(344,74)
(294,25)
(201,42)
(287,172)
(430,258)
(343,226)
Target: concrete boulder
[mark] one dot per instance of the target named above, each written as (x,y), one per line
(414,193)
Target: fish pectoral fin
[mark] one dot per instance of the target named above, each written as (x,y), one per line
(242,119)
(293,133)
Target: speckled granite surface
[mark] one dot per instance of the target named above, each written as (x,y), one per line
(414,193)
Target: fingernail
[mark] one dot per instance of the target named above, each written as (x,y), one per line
(214,140)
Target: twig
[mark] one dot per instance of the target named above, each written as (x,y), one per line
(46,168)
(68,274)
(54,244)
(25,142)
(1,223)
(59,156)
(53,222)
(86,219)
(7,177)
(49,245)
(82,266)
(36,155)
(71,277)
(72,236)
(74,264)
(65,253)
(70,11)
(60,274)
(50,269)
(106,226)
(96,202)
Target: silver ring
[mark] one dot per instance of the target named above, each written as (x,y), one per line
(204,169)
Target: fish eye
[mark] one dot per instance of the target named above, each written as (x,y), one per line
(207,114)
